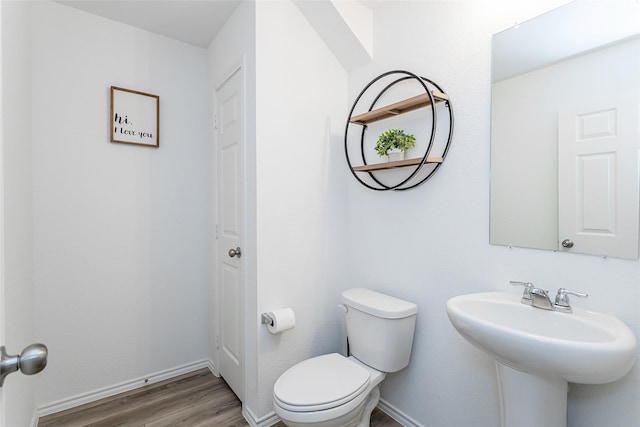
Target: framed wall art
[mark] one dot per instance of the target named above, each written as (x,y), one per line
(135,117)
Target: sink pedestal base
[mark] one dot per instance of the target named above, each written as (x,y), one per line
(528,400)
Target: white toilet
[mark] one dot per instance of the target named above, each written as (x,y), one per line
(337,391)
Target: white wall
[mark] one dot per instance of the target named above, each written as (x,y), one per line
(121,232)
(301,106)
(18,205)
(441,246)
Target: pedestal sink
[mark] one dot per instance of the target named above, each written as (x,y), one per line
(538,352)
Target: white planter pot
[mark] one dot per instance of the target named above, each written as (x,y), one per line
(395,155)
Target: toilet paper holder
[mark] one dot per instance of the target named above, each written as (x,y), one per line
(267,319)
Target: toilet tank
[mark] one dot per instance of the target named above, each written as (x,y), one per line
(379,328)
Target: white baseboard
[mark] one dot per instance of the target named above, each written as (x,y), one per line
(34,420)
(397,415)
(268,420)
(212,368)
(271,418)
(122,387)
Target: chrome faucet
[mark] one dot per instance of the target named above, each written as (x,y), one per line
(539,298)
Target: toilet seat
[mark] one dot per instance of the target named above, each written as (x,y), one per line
(321,383)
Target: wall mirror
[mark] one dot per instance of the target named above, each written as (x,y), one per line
(565,131)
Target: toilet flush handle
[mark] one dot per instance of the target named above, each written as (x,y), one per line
(343,307)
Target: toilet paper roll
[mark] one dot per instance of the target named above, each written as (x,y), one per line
(283,319)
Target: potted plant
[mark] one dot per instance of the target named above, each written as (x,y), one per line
(393,143)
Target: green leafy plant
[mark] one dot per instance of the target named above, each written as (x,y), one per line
(394,139)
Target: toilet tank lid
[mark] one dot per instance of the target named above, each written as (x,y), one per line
(378,304)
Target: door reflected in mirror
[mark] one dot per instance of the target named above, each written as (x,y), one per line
(564,133)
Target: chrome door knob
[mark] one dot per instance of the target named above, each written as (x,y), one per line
(567,243)
(32,360)
(235,252)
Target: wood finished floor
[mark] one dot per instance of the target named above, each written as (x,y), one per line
(197,399)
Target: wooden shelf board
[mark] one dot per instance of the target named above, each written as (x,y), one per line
(393,165)
(397,108)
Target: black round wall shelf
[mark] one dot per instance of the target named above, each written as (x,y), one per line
(417,170)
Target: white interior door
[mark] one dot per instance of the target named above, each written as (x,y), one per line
(229,150)
(598,143)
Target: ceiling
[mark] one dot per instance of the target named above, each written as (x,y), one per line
(570,30)
(191,21)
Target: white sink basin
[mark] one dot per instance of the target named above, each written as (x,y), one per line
(581,347)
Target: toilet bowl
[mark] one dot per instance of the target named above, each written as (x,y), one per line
(337,391)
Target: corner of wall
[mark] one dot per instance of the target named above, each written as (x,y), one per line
(345,27)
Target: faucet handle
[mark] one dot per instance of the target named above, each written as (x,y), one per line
(562,298)
(527,285)
(526,294)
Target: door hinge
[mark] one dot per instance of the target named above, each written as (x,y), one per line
(215,121)
(217,231)
(217,342)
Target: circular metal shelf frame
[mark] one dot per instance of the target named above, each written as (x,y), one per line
(406,183)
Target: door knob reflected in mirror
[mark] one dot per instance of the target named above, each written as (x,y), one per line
(32,360)
(567,243)
(235,252)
